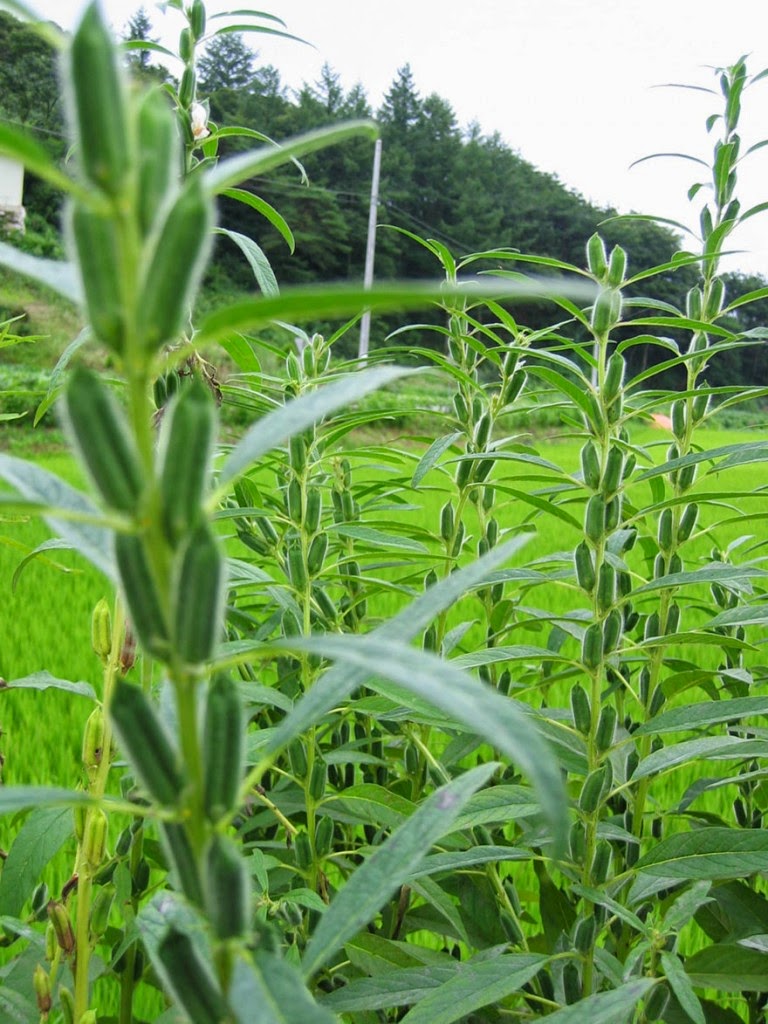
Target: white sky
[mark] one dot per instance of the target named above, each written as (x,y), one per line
(568,83)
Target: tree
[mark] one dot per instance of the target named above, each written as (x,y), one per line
(228,63)
(29,86)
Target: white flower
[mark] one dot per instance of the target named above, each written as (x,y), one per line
(199,118)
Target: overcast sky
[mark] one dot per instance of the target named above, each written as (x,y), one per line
(570,84)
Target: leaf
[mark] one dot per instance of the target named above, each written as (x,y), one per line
(38,485)
(53,544)
(504,723)
(264,208)
(54,274)
(277,426)
(728,967)
(38,840)
(681,985)
(476,985)
(707,853)
(396,987)
(45,681)
(708,748)
(605,1007)
(714,573)
(454,862)
(389,866)
(432,454)
(695,716)
(745,615)
(236,169)
(369,803)
(24,798)
(257,261)
(380,539)
(277,989)
(20,146)
(56,381)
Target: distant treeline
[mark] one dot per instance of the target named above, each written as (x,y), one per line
(469,190)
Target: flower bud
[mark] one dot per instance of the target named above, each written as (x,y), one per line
(101,630)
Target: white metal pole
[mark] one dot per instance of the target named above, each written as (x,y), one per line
(370,249)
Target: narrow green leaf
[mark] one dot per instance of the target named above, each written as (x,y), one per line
(695,716)
(257,260)
(707,853)
(708,748)
(605,1007)
(459,861)
(714,573)
(396,987)
(45,681)
(729,967)
(54,274)
(19,145)
(477,985)
(265,209)
(432,454)
(388,867)
(24,798)
(681,985)
(378,538)
(39,839)
(276,988)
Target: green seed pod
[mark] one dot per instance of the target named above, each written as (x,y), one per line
(94,838)
(700,404)
(659,567)
(606,587)
(513,387)
(297,569)
(572,989)
(140,878)
(482,472)
(187,440)
(100,434)
(613,513)
(302,850)
(458,542)
(592,790)
(325,605)
(182,242)
(51,945)
(606,312)
(318,549)
(686,477)
(592,646)
(675,564)
(318,778)
(39,901)
(141,596)
(190,979)
(145,743)
(58,915)
(42,986)
(511,928)
(585,569)
(492,532)
(297,758)
(577,842)
(606,728)
(678,419)
(584,936)
(651,626)
(623,583)
(297,454)
(601,864)
(596,257)
(614,470)
(100,911)
(223,747)
(694,304)
(665,530)
(198,596)
(267,529)
(196,16)
(79,813)
(594,519)
(614,378)
(612,630)
(308,362)
(699,343)
(673,619)
(187,88)
(324,837)
(181,857)
(590,466)
(580,709)
(460,408)
(447,522)
(93,741)
(616,267)
(67,1003)
(687,522)
(227,889)
(314,509)
(483,431)
(98,95)
(294,503)
(186,45)
(714,302)
(629,466)
(101,631)
(464,473)
(293,367)
(159,158)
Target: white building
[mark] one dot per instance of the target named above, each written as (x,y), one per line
(12,212)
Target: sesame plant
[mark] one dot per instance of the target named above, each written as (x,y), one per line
(163,892)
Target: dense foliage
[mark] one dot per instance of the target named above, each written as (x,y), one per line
(341,758)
